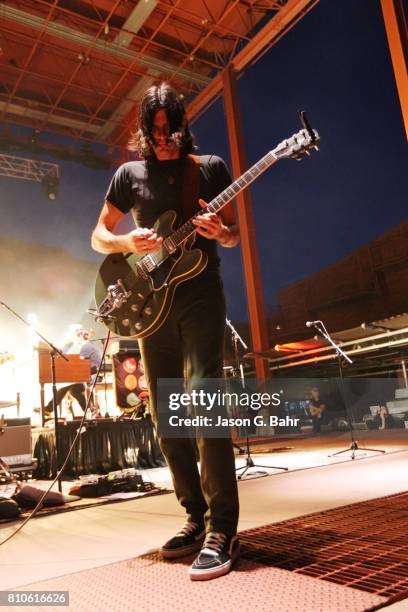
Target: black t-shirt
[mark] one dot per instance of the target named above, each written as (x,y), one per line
(147,189)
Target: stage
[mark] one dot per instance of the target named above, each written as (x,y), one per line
(108,445)
(62,544)
(316,294)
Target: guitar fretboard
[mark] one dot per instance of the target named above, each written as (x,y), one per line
(225,196)
(296,147)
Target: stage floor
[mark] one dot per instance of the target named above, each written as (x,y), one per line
(61,544)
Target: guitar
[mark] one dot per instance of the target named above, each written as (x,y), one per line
(134,293)
(316,410)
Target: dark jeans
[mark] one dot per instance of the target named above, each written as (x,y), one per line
(316,422)
(190,344)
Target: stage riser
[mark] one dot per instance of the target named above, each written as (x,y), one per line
(106,445)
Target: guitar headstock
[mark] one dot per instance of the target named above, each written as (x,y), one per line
(298,145)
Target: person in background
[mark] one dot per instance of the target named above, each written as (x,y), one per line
(316,409)
(79,344)
(383,419)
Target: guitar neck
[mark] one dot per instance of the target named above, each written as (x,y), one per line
(225,196)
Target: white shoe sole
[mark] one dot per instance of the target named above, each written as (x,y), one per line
(216,572)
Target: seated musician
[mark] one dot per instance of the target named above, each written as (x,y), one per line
(79,344)
(316,409)
(383,419)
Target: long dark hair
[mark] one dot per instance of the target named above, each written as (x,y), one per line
(156,98)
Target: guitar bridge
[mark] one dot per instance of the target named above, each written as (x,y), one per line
(116,297)
(125,294)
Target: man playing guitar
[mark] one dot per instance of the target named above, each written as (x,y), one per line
(191,337)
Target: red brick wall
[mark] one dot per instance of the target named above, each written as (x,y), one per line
(369,284)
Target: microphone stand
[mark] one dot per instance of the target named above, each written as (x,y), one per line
(235,337)
(249,462)
(53,352)
(354,447)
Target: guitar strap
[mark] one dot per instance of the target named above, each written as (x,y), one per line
(191,187)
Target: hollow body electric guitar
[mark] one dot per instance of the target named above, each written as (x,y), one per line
(134,293)
(316,410)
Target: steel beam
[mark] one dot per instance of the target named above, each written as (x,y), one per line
(287,16)
(98,45)
(250,257)
(26,169)
(19,110)
(396,29)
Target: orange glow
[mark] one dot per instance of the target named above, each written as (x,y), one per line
(303,345)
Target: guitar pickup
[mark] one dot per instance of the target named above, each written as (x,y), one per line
(148,263)
(141,269)
(170,245)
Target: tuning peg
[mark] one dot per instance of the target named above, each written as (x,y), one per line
(316,147)
(307,153)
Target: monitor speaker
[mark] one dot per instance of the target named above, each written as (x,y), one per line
(15,441)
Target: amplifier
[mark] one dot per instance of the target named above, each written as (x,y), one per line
(128,346)
(15,441)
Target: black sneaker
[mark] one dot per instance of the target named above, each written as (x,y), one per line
(188,540)
(216,556)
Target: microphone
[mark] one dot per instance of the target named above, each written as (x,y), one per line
(312,323)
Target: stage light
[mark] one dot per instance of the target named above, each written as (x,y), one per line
(50,183)
(32,318)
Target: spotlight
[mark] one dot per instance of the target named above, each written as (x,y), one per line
(50,183)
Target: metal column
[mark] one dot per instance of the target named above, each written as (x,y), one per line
(250,257)
(396,28)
